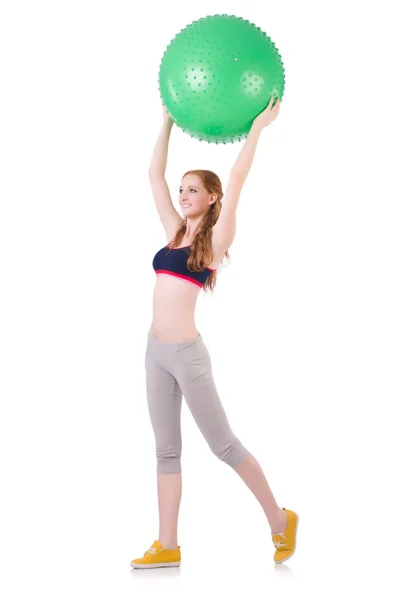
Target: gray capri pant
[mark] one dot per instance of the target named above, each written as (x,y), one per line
(173,370)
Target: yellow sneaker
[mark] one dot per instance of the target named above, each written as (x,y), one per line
(286,542)
(157,556)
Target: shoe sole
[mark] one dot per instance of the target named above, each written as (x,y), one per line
(154,565)
(278,562)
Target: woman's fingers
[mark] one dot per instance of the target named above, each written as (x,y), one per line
(276,104)
(270,105)
(276,108)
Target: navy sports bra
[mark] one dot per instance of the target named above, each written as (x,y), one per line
(175,263)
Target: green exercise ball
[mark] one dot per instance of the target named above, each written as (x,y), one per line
(217,75)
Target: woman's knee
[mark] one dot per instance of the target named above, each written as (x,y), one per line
(232,452)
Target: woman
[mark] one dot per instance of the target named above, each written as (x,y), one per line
(177,361)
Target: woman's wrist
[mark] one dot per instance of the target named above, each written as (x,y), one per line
(168,123)
(256,130)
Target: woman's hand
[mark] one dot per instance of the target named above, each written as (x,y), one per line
(268,115)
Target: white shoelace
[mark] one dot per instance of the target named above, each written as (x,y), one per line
(279,544)
(151,550)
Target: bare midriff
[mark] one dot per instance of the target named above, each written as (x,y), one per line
(174,303)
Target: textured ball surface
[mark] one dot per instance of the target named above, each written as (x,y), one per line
(217,75)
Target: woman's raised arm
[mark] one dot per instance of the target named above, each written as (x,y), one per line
(224,230)
(246,155)
(169,216)
(159,158)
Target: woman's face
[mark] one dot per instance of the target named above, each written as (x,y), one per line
(192,192)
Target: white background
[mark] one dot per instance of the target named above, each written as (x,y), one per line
(301,327)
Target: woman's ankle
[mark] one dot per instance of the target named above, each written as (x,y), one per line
(168,545)
(279,525)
